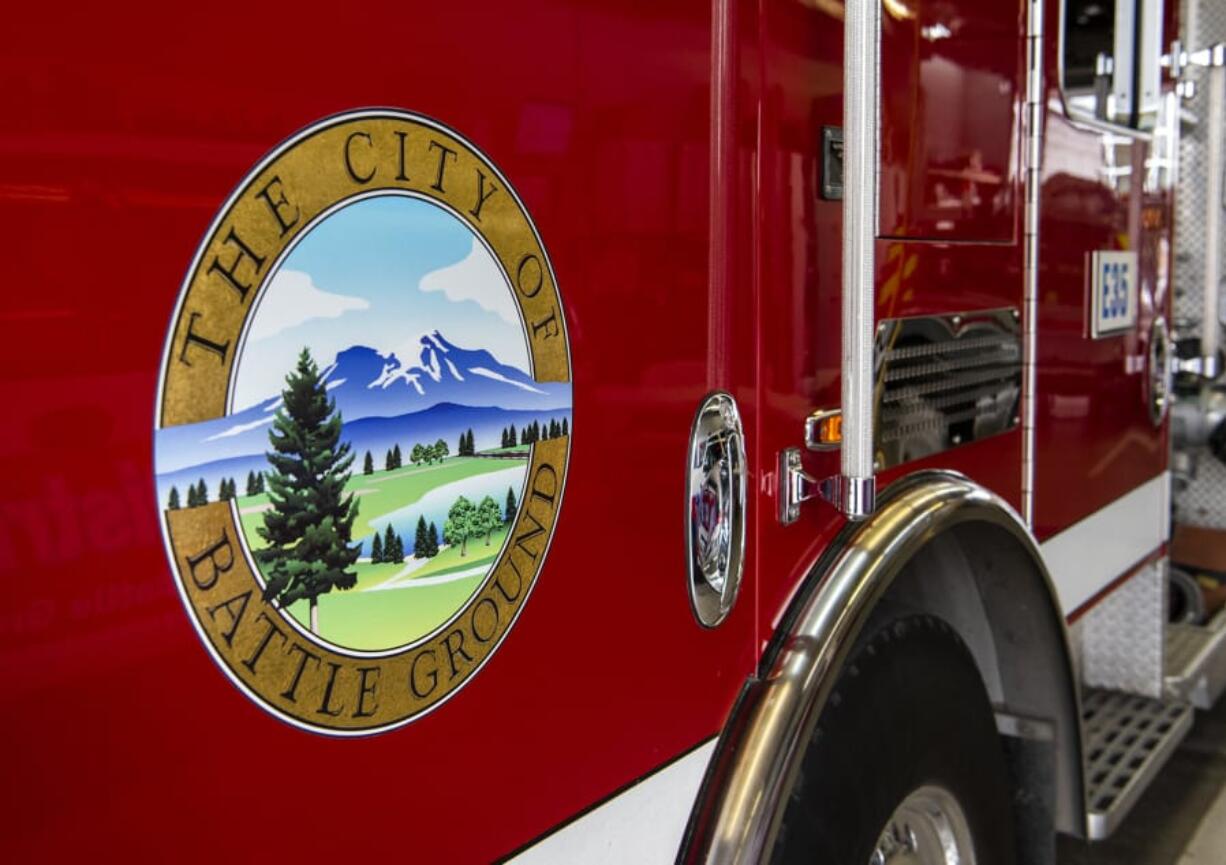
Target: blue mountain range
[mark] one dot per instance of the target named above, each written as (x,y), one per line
(377,435)
(382,401)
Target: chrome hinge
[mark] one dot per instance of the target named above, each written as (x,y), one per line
(1180,59)
(1202,367)
(854,497)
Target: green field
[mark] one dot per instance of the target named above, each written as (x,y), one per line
(366,617)
(382,492)
(382,620)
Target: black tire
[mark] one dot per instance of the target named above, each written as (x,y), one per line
(908,710)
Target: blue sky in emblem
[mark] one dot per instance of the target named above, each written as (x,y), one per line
(380,272)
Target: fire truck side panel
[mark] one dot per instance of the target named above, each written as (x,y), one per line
(123,136)
(671,158)
(948,136)
(801,254)
(1095,439)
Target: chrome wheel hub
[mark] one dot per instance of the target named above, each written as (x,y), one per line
(927,828)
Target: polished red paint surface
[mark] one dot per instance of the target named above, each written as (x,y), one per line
(121,140)
(1095,439)
(693,253)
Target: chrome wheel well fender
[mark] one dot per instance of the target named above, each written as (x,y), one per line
(939,543)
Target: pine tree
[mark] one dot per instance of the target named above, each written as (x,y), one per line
(259,482)
(513,437)
(421,543)
(397,457)
(399,549)
(389,462)
(463,448)
(389,545)
(309,528)
(376,549)
(488,518)
(460,525)
(565,428)
(368,464)
(202,493)
(504,438)
(192,501)
(226,490)
(173,503)
(432,549)
(512,506)
(250,483)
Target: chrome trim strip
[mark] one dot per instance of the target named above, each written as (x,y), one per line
(1032,155)
(861,40)
(739,822)
(1211,311)
(721,243)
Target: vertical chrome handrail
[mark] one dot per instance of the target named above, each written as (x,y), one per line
(1211,328)
(861,71)
(1032,156)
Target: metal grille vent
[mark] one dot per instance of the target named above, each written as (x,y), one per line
(943,381)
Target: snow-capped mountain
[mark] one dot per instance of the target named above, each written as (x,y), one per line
(369,384)
(365,382)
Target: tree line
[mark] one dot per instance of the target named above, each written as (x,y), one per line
(420,453)
(389,548)
(198,493)
(466,446)
(465,521)
(534,432)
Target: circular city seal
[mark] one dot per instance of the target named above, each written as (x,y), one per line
(363,422)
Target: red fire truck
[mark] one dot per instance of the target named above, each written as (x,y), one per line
(595,432)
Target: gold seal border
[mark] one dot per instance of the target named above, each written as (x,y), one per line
(310,685)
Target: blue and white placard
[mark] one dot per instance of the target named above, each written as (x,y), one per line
(1113,292)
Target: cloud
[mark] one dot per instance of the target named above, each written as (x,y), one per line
(239,428)
(478,278)
(293,299)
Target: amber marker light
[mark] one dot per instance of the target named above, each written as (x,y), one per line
(824,430)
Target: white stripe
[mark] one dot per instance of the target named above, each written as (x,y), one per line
(1084,558)
(643,825)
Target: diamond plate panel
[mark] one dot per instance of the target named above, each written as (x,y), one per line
(1203,501)
(1123,639)
(1204,25)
